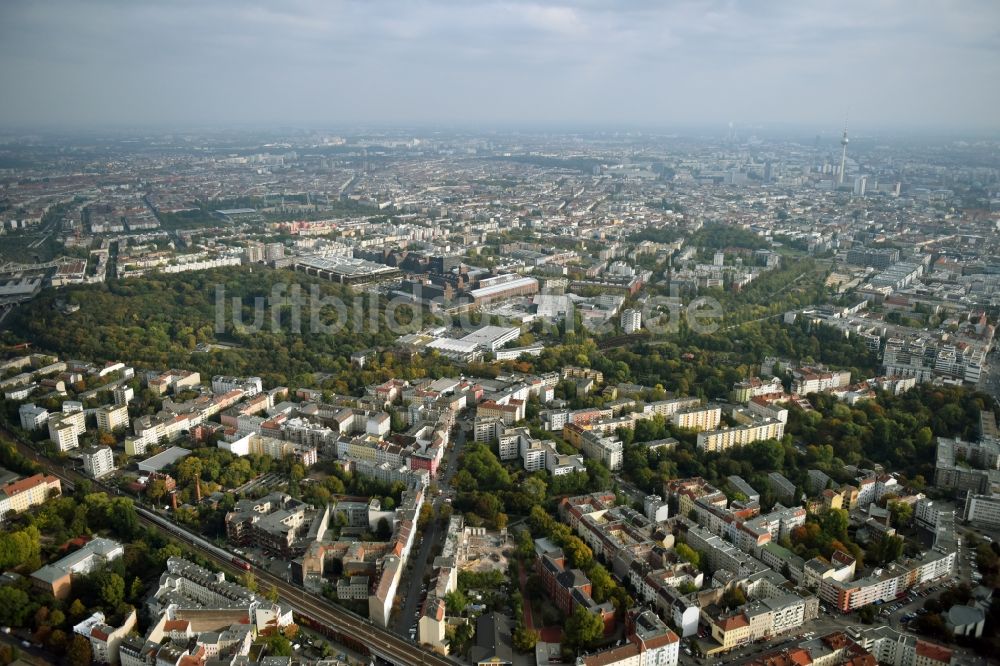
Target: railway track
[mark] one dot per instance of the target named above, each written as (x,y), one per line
(363,631)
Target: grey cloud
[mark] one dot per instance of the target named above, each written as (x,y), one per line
(901,63)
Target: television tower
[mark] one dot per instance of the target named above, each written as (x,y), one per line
(843,154)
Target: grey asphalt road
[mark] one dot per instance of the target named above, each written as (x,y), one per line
(422,562)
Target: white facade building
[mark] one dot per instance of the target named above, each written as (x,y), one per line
(98,461)
(32,417)
(631,321)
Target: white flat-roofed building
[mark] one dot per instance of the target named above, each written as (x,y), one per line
(509,442)
(609,450)
(670,407)
(63,433)
(163,459)
(928,511)
(72,407)
(631,321)
(655,508)
(517,352)
(378,424)
(486,429)
(534,454)
(98,461)
(260,445)
(982,509)
(250,386)
(32,417)
(492,338)
(457,349)
(559,464)
(499,290)
(18,393)
(124,395)
(346,270)
(75,417)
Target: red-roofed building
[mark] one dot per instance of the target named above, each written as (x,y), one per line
(18,496)
(931,654)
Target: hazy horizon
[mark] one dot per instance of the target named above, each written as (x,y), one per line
(902,66)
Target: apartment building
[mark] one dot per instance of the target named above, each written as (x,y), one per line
(274,522)
(730,632)
(689,491)
(509,413)
(924,358)
(566,587)
(382,561)
(739,485)
(754,387)
(880,258)
(123,395)
(98,461)
(32,417)
(783,489)
(20,495)
(150,429)
(967,466)
(760,619)
(509,442)
(698,418)
(112,417)
(648,642)
(278,449)
(811,380)
(609,450)
(64,433)
(930,513)
(769,409)
(534,454)
(631,321)
(250,386)
(740,435)
(186,585)
(104,638)
(172,381)
(353,588)
(894,648)
(982,509)
(723,555)
(668,408)
(888,583)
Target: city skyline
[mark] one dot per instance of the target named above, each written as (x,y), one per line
(902,66)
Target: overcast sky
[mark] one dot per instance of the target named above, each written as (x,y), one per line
(614,63)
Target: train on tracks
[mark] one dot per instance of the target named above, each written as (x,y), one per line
(194,539)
